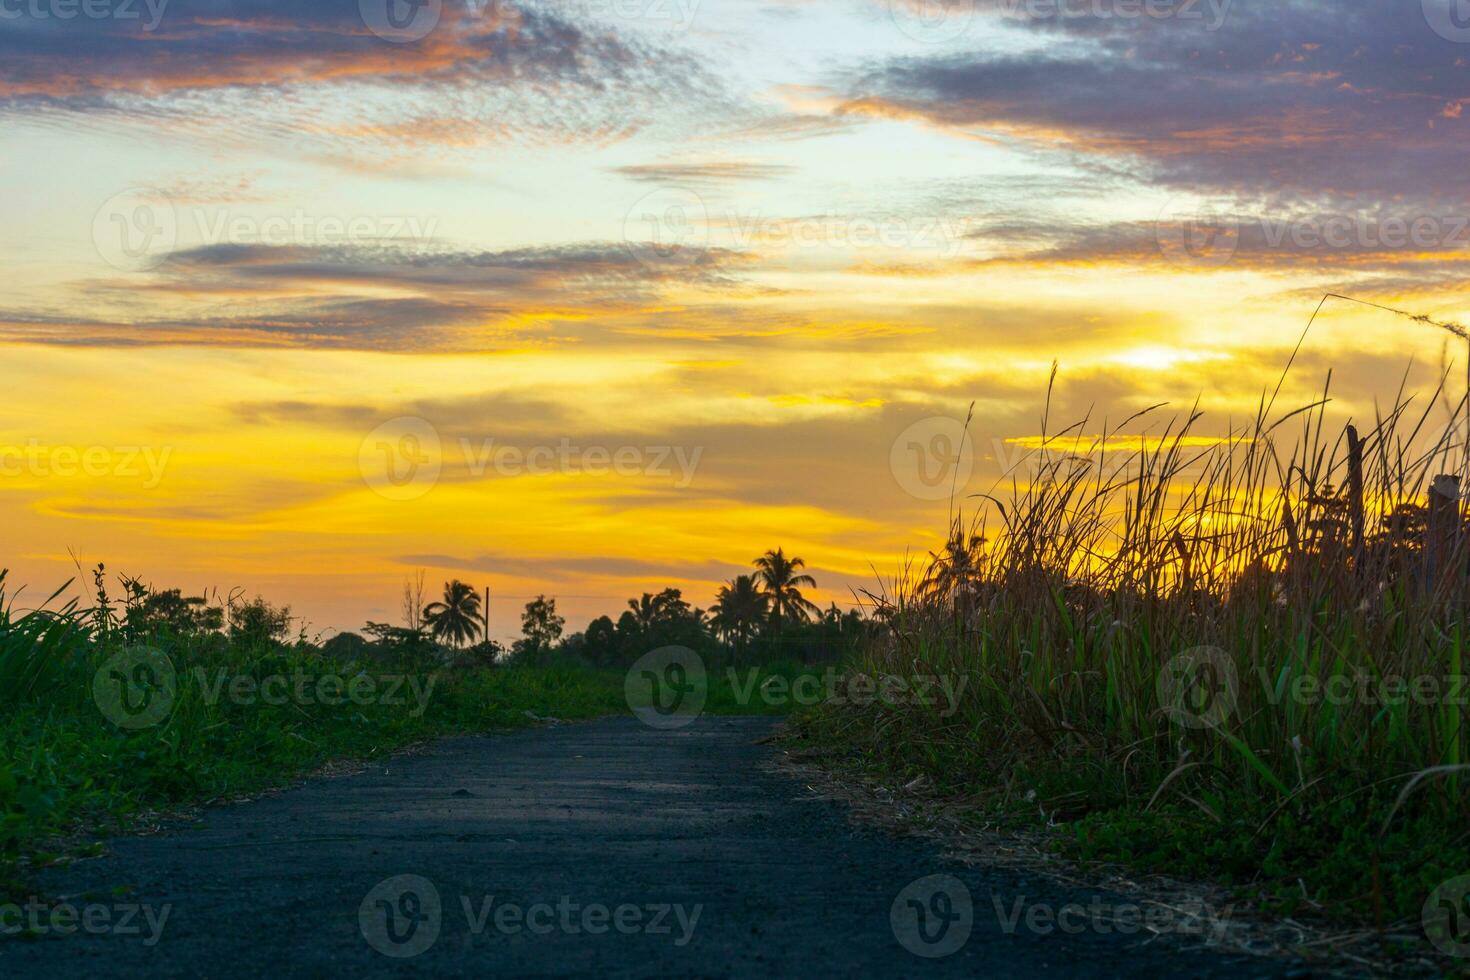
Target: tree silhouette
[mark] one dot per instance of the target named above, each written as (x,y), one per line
(739,610)
(602,640)
(257,623)
(783,583)
(457,618)
(646,611)
(953,572)
(540,624)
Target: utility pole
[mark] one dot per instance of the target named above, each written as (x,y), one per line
(486,621)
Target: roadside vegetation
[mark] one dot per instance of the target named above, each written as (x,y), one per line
(763,617)
(145,701)
(1239,659)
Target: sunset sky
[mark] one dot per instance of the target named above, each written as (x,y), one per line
(593,297)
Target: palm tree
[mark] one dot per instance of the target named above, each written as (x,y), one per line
(954,572)
(739,609)
(783,584)
(457,618)
(646,611)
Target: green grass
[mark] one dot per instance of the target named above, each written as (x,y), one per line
(1323,857)
(67,772)
(1070,619)
(237,721)
(766,689)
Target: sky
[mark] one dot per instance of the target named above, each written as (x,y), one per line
(589,298)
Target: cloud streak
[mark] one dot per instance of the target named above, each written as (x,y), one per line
(1302,97)
(334,296)
(315,76)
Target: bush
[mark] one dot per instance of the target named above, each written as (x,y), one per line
(1129,638)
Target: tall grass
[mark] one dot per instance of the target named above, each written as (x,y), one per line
(1141,616)
(41,652)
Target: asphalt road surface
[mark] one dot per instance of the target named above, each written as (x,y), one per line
(601,849)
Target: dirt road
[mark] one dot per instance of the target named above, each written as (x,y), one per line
(608,849)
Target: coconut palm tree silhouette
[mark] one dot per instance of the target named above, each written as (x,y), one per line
(740,607)
(457,618)
(783,584)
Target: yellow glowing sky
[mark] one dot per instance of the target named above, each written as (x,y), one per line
(752,249)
